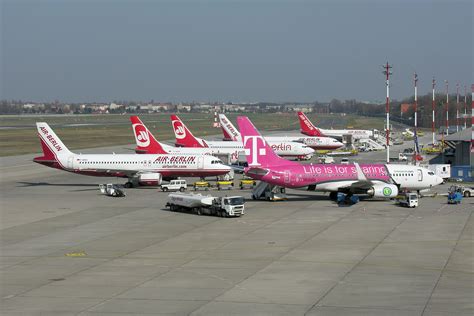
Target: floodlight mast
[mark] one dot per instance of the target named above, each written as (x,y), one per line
(457,107)
(447,106)
(433,84)
(387,72)
(465,107)
(415,81)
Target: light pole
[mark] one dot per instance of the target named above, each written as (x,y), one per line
(415,81)
(447,106)
(465,107)
(387,72)
(457,107)
(433,84)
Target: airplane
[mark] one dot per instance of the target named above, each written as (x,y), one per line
(148,144)
(374,180)
(184,138)
(308,128)
(147,169)
(315,142)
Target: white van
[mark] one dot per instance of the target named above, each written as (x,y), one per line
(175,185)
(408,199)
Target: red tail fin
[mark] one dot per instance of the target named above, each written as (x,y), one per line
(226,135)
(146,142)
(257,150)
(55,153)
(229,130)
(184,138)
(307,127)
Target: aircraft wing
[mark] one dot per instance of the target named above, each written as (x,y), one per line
(114,172)
(256,171)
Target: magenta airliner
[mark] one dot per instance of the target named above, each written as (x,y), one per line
(376,180)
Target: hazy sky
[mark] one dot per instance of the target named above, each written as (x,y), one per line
(103,50)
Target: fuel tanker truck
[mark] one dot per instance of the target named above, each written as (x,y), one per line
(228,206)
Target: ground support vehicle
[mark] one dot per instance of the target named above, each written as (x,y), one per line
(326,159)
(110,189)
(399,157)
(228,206)
(175,185)
(247,184)
(201,185)
(269,192)
(408,199)
(346,199)
(465,191)
(224,185)
(229,176)
(454,197)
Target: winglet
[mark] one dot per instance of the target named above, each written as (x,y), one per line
(146,142)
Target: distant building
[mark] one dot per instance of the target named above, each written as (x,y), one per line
(183,107)
(459,155)
(114,106)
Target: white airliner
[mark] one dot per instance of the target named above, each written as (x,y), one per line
(308,128)
(315,142)
(148,144)
(139,169)
(184,138)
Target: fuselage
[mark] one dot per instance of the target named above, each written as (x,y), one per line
(123,165)
(315,142)
(331,177)
(281,148)
(356,133)
(232,152)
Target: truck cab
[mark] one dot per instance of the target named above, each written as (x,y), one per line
(232,205)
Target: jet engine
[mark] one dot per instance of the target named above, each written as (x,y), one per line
(383,191)
(150,178)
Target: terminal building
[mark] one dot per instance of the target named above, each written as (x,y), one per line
(459,155)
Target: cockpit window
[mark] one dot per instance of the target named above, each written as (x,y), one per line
(431,173)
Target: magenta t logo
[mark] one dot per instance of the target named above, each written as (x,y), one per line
(254,147)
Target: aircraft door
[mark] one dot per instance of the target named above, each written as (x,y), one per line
(420,175)
(287,176)
(200,162)
(70,161)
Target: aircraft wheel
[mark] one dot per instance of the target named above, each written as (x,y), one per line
(333,195)
(128,184)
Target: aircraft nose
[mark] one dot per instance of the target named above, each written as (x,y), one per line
(439,180)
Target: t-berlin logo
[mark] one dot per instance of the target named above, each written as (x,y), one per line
(255,151)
